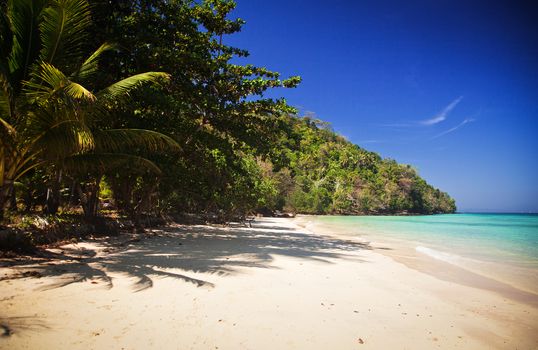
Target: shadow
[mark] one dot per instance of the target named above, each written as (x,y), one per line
(13,325)
(182,251)
(41,256)
(265,227)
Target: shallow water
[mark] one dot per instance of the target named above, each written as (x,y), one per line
(500,246)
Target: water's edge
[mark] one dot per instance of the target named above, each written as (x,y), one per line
(499,270)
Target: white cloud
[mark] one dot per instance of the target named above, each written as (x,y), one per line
(443,114)
(466,121)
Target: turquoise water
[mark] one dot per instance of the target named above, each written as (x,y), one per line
(506,238)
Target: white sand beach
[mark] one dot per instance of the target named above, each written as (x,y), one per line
(272,286)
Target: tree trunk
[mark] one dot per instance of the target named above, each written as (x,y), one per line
(5,194)
(28,200)
(3,201)
(53,195)
(13,199)
(89,198)
(72,195)
(95,197)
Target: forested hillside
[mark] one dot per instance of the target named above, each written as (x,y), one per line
(138,106)
(324,173)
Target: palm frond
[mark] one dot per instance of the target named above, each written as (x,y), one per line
(78,92)
(63,30)
(45,81)
(133,140)
(90,65)
(6,96)
(58,133)
(106,162)
(6,41)
(24,17)
(123,88)
(48,80)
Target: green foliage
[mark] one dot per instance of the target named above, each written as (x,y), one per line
(212,107)
(333,176)
(47,118)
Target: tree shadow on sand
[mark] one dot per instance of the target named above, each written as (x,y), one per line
(181,251)
(15,324)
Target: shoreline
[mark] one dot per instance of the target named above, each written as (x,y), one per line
(440,263)
(271,286)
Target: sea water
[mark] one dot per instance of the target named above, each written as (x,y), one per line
(500,246)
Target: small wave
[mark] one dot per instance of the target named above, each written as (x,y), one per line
(446,257)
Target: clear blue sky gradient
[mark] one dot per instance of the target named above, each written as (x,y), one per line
(450,87)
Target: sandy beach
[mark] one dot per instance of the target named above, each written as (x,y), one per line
(273,286)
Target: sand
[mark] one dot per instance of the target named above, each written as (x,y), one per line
(272,286)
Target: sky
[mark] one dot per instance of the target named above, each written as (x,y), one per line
(450,87)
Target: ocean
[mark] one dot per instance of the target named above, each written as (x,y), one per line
(503,247)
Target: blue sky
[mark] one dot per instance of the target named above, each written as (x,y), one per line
(450,87)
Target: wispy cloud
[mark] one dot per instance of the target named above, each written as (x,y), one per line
(466,121)
(443,114)
(439,117)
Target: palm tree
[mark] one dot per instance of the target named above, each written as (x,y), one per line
(47,115)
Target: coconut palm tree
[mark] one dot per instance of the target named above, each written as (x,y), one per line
(47,115)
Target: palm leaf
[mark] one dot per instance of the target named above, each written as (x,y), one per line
(132,140)
(48,80)
(57,133)
(6,96)
(6,41)
(123,88)
(24,17)
(63,31)
(106,162)
(78,92)
(90,66)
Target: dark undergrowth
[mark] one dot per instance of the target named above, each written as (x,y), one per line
(30,234)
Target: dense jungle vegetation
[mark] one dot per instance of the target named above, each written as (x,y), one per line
(138,107)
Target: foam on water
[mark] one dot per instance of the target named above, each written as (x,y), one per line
(446,257)
(490,237)
(499,246)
